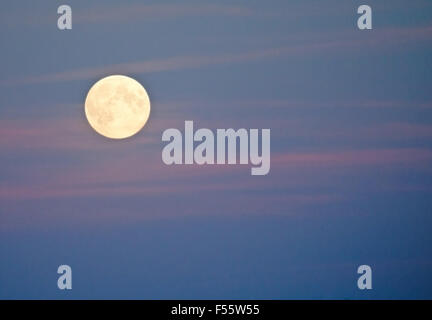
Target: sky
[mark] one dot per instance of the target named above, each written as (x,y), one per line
(350,183)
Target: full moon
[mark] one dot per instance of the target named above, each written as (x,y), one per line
(117,107)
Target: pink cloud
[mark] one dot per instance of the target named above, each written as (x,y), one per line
(128,175)
(66,133)
(368,157)
(397,131)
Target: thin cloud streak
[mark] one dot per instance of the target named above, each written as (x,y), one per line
(159,11)
(130,12)
(381,38)
(65,134)
(351,158)
(161,65)
(121,177)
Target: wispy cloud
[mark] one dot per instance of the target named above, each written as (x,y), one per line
(161,65)
(380,38)
(127,13)
(64,134)
(352,158)
(129,175)
(159,11)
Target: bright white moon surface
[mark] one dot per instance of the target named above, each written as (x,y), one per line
(117,107)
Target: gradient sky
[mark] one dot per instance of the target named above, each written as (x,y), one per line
(350,114)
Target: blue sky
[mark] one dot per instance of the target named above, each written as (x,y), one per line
(350,114)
